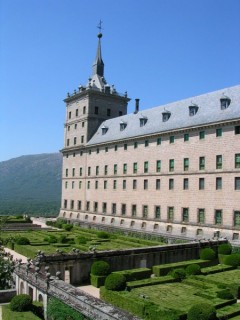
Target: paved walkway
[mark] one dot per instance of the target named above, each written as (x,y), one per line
(93,291)
(16,255)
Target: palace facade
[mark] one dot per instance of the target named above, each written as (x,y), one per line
(172,169)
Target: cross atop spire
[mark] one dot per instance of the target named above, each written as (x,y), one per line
(98,66)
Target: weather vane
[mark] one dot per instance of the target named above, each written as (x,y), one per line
(100,26)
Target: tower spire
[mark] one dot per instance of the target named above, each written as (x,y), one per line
(98,66)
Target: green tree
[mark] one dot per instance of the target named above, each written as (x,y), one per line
(6,269)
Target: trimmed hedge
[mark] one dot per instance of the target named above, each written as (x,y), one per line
(202,311)
(216,269)
(193,269)
(225,294)
(100,268)
(22,241)
(178,274)
(135,274)
(103,235)
(115,282)
(150,282)
(207,254)
(20,303)
(97,281)
(225,248)
(232,260)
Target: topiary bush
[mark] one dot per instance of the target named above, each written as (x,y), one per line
(51,239)
(225,294)
(193,269)
(103,235)
(20,303)
(115,282)
(178,273)
(67,227)
(100,268)
(202,311)
(63,238)
(207,254)
(81,240)
(232,260)
(225,248)
(22,240)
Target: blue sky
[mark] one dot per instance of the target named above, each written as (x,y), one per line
(158,50)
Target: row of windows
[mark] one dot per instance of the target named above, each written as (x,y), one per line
(96,111)
(76,126)
(186,185)
(158,166)
(186,137)
(201,214)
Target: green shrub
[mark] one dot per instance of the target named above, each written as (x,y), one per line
(135,274)
(115,282)
(19,217)
(63,238)
(178,273)
(100,268)
(193,269)
(225,248)
(97,281)
(22,240)
(20,303)
(57,310)
(67,227)
(225,294)
(207,254)
(81,240)
(232,260)
(103,235)
(202,311)
(51,239)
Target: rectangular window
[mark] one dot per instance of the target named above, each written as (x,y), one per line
(218,183)
(185,216)
(219,161)
(80,184)
(82,139)
(104,207)
(158,184)
(185,184)
(89,151)
(73,172)
(134,210)
(157,212)
(96,184)
(237,183)
(66,172)
(89,171)
(202,135)
(135,167)
(135,145)
(201,163)
(114,208)
(236,218)
(95,207)
(201,215)
(145,184)
(97,150)
(159,141)
(123,209)
(237,129)
(74,140)
(186,164)
(134,184)
(96,110)
(108,112)
(72,204)
(115,147)
(170,214)
(87,205)
(124,168)
(105,170)
(80,171)
(72,184)
(146,143)
(66,184)
(237,160)
(106,149)
(218,216)
(218,132)
(65,204)
(124,184)
(145,211)
(79,205)
(201,183)
(105,184)
(158,166)
(115,169)
(125,146)
(146,167)
(114,184)
(171,165)
(171,139)
(186,137)
(68,142)
(171,184)
(88,185)
(69,115)
(97,170)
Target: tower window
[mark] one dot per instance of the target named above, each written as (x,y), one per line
(96,110)
(108,112)
(84,110)
(76,113)
(120,113)
(69,115)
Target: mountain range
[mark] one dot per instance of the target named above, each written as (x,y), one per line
(31,184)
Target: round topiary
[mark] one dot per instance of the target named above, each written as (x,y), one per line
(225,248)
(67,227)
(207,254)
(22,240)
(178,273)
(100,268)
(193,269)
(232,260)
(20,303)
(202,311)
(103,235)
(115,282)
(225,294)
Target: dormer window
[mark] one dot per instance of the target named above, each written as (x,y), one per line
(225,102)
(104,130)
(143,121)
(193,109)
(122,125)
(166,115)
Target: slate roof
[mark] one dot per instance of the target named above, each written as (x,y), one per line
(209,111)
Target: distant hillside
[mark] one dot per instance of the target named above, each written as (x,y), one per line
(31,184)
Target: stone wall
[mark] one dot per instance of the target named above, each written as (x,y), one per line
(7,295)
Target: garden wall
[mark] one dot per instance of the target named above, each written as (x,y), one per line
(7,295)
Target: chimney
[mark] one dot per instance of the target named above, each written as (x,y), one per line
(136,106)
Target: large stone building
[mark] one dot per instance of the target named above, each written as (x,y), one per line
(173,169)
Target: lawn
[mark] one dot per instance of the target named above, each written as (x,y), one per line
(7,314)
